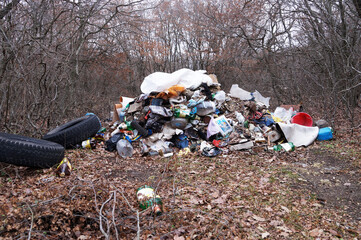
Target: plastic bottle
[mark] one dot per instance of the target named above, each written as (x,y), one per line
(205,108)
(124,148)
(64,168)
(181,113)
(147,198)
(126,126)
(288,147)
(89,144)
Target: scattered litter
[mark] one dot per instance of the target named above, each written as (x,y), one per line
(147,198)
(64,168)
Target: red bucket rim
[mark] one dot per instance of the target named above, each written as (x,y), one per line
(302,118)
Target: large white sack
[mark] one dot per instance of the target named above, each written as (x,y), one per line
(299,135)
(238,92)
(160,81)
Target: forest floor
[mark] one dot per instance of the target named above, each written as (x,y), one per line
(311,193)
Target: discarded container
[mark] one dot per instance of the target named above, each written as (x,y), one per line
(64,168)
(325,134)
(111,143)
(302,118)
(124,148)
(181,113)
(206,107)
(147,198)
(179,123)
(288,147)
(127,125)
(241,146)
(224,125)
(89,144)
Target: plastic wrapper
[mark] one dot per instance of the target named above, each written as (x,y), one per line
(238,92)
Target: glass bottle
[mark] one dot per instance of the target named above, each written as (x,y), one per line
(64,168)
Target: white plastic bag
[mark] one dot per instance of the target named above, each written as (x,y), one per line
(259,98)
(240,117)
(160,81)
(213,128)
(238,92)
(220,97)
(283,114)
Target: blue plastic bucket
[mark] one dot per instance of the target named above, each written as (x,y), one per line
(324,134)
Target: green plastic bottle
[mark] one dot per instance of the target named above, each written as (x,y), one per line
(126,126)
(288,147)
(180,113)
(147,198)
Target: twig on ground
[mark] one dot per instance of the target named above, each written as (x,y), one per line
(138,226)
(113,214)
(106,235)
(32,221)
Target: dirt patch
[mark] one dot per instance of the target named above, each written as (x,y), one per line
(336,182)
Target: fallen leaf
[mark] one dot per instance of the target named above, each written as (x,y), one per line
(316,232)
(276,223)
(215,194)
(257,218)
(286,209)
(178,238)
(303,202)
(220,200)
(268,209)
(285,229)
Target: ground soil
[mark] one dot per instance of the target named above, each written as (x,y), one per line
(336,182)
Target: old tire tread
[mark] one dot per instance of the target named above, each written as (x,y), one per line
(75,131)
(29,152)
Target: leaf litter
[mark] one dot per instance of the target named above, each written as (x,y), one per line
(234,196)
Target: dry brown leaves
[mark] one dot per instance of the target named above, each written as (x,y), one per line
(234,196)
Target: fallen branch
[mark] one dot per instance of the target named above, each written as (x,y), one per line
(32,222)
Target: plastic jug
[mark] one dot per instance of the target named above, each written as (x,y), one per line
(124,148)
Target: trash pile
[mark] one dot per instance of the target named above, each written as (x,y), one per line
(187,111)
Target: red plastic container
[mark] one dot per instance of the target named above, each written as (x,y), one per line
(302,118)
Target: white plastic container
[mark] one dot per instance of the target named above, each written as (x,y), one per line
(124,148)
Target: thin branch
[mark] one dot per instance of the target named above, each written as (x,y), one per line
(101,217)
(138,226)
(32,221)
(113,214)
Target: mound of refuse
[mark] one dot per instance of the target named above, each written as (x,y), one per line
(187,111)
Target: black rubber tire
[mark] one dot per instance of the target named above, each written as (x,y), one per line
(29,152)
(75,131)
